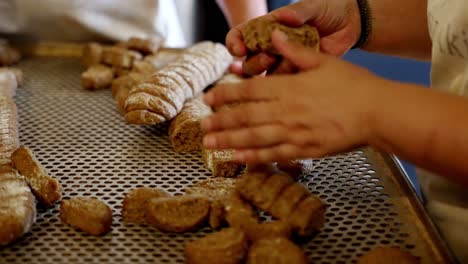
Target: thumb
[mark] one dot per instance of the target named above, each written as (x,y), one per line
(302,57)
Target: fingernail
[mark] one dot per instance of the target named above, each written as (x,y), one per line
(209,141)
(206,124)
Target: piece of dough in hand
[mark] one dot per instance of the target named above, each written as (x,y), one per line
(257,35)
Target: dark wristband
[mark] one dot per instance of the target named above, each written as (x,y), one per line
(366,23)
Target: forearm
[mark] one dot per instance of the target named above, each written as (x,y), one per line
(425,127)
(400,28)
(239,11)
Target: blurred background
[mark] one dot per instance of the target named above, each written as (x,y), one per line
(203,20)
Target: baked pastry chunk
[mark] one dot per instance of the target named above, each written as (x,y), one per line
(185,132)
(277,250)
(90,215)
(97,77)
(133,206)
(257,35)
(228,246)
(387,255)
(46,188)
(178,213)
(17,206)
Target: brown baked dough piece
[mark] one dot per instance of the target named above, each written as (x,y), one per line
(277,250)
(218,191)
(90,215)
(46,189)
(388,255)
(8,54)
(9,138)
(250,183)
(221,163)
(270,190)
(133,206)
(178,213)
(239,213)
(308,216)
(163,92)
(120,57)
(257,231)
(97,77)
(143,117)
(257,35)
(228,246)
(18,73)
(217,214)
(185,133)
(296,168)
(144,45)
(173,81)
(8,84)
(288,200)
(121,88)
(143,67)
(151,103)
(17,206)
(189,77)
(213,188)
(92,54)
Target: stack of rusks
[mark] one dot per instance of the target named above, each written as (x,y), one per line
(153,86)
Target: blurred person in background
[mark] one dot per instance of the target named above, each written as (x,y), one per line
(109,20)
(330,106)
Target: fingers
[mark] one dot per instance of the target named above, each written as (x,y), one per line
(235,42)
(246,115)
(298,13)
(283,67)
(300,56)
(258,63)
(259,136)
(245,91)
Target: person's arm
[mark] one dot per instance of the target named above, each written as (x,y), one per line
(240,11)
(427,127)
(400,28)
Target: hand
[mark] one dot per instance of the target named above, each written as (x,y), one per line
(338,22)
(323,110)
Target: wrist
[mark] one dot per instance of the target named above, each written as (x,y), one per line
(365,25)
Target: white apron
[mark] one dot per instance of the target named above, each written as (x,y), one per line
(83,20)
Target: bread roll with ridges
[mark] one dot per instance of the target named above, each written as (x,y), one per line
(164,92)
(144,101)
(8,84)
(171,80)
(9,138)
(17,206)
(186,71)
(121,87)
(143,117)
(201,71)
(185,132)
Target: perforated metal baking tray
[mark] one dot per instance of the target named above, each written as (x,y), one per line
(81,139)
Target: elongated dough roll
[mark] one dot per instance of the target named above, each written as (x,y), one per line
(185,132)
(17,206)
(194,70)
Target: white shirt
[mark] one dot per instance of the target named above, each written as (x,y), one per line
(84,20)
(447,202)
